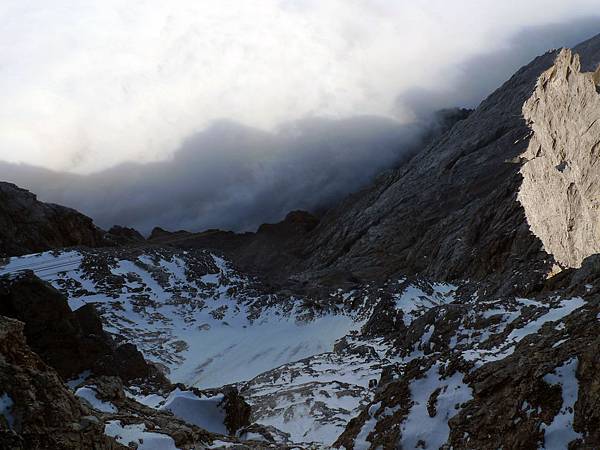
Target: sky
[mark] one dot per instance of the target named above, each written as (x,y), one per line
(87,85)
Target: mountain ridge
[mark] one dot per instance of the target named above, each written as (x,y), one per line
(426,311)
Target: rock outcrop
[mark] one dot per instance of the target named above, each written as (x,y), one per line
(488,373)
(37,410)
(271,253)
(28,225)
(69,341)
(560,191)
(452,211)
(119,235)
(160,235)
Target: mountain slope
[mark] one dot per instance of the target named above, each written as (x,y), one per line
(28,225)
(403,358)
(423,312)
(452,211)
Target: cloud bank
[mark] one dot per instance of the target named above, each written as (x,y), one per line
(87,85)
(231,176)
(203,114)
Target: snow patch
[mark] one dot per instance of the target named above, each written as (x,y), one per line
(566,307)
(6,404)
(413,301)
(205,412)
(136,433)
(418,425)
(361,442)
(89,394)
(560,432)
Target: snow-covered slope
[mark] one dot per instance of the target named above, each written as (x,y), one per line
(190,312)
(399,358)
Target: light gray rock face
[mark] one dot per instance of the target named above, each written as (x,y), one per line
(452,212)
(560,191)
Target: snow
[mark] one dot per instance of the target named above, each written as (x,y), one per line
(89,394)
(136,433)
(413,301)
(564,308)
(74,382)
(221,444)
(418,426)
(6,404)
(559,343)
(205,412)
(216,350)
(361,443)
(46,265)
(553,315)
(238,350)
(249,436)
(151,400)
(560,432)
(314,399)
(529,409)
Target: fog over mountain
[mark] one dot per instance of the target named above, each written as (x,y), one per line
(88,85)
(231,176)
(179,123)
(422,180)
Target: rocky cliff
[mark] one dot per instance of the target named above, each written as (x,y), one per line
(452,212)
(37,410)
(452,304)
(69,341)
(28,225)
(560,192)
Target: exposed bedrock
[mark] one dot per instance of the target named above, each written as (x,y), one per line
(560,191)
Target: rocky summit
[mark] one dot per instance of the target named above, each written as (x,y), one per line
(452,304)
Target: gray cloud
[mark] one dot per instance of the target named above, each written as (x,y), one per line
(233,176)
(482,73)
(87,85)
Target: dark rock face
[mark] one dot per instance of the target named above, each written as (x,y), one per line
(237,411)
(28,225)
(270,253)
(123,235)
(129,363)
(275,248)
(42,413)
(452,211)
(158,235)
(70,342)
(52,329)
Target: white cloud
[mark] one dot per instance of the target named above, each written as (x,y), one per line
(87,84)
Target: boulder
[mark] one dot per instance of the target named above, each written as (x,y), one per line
(38,411)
